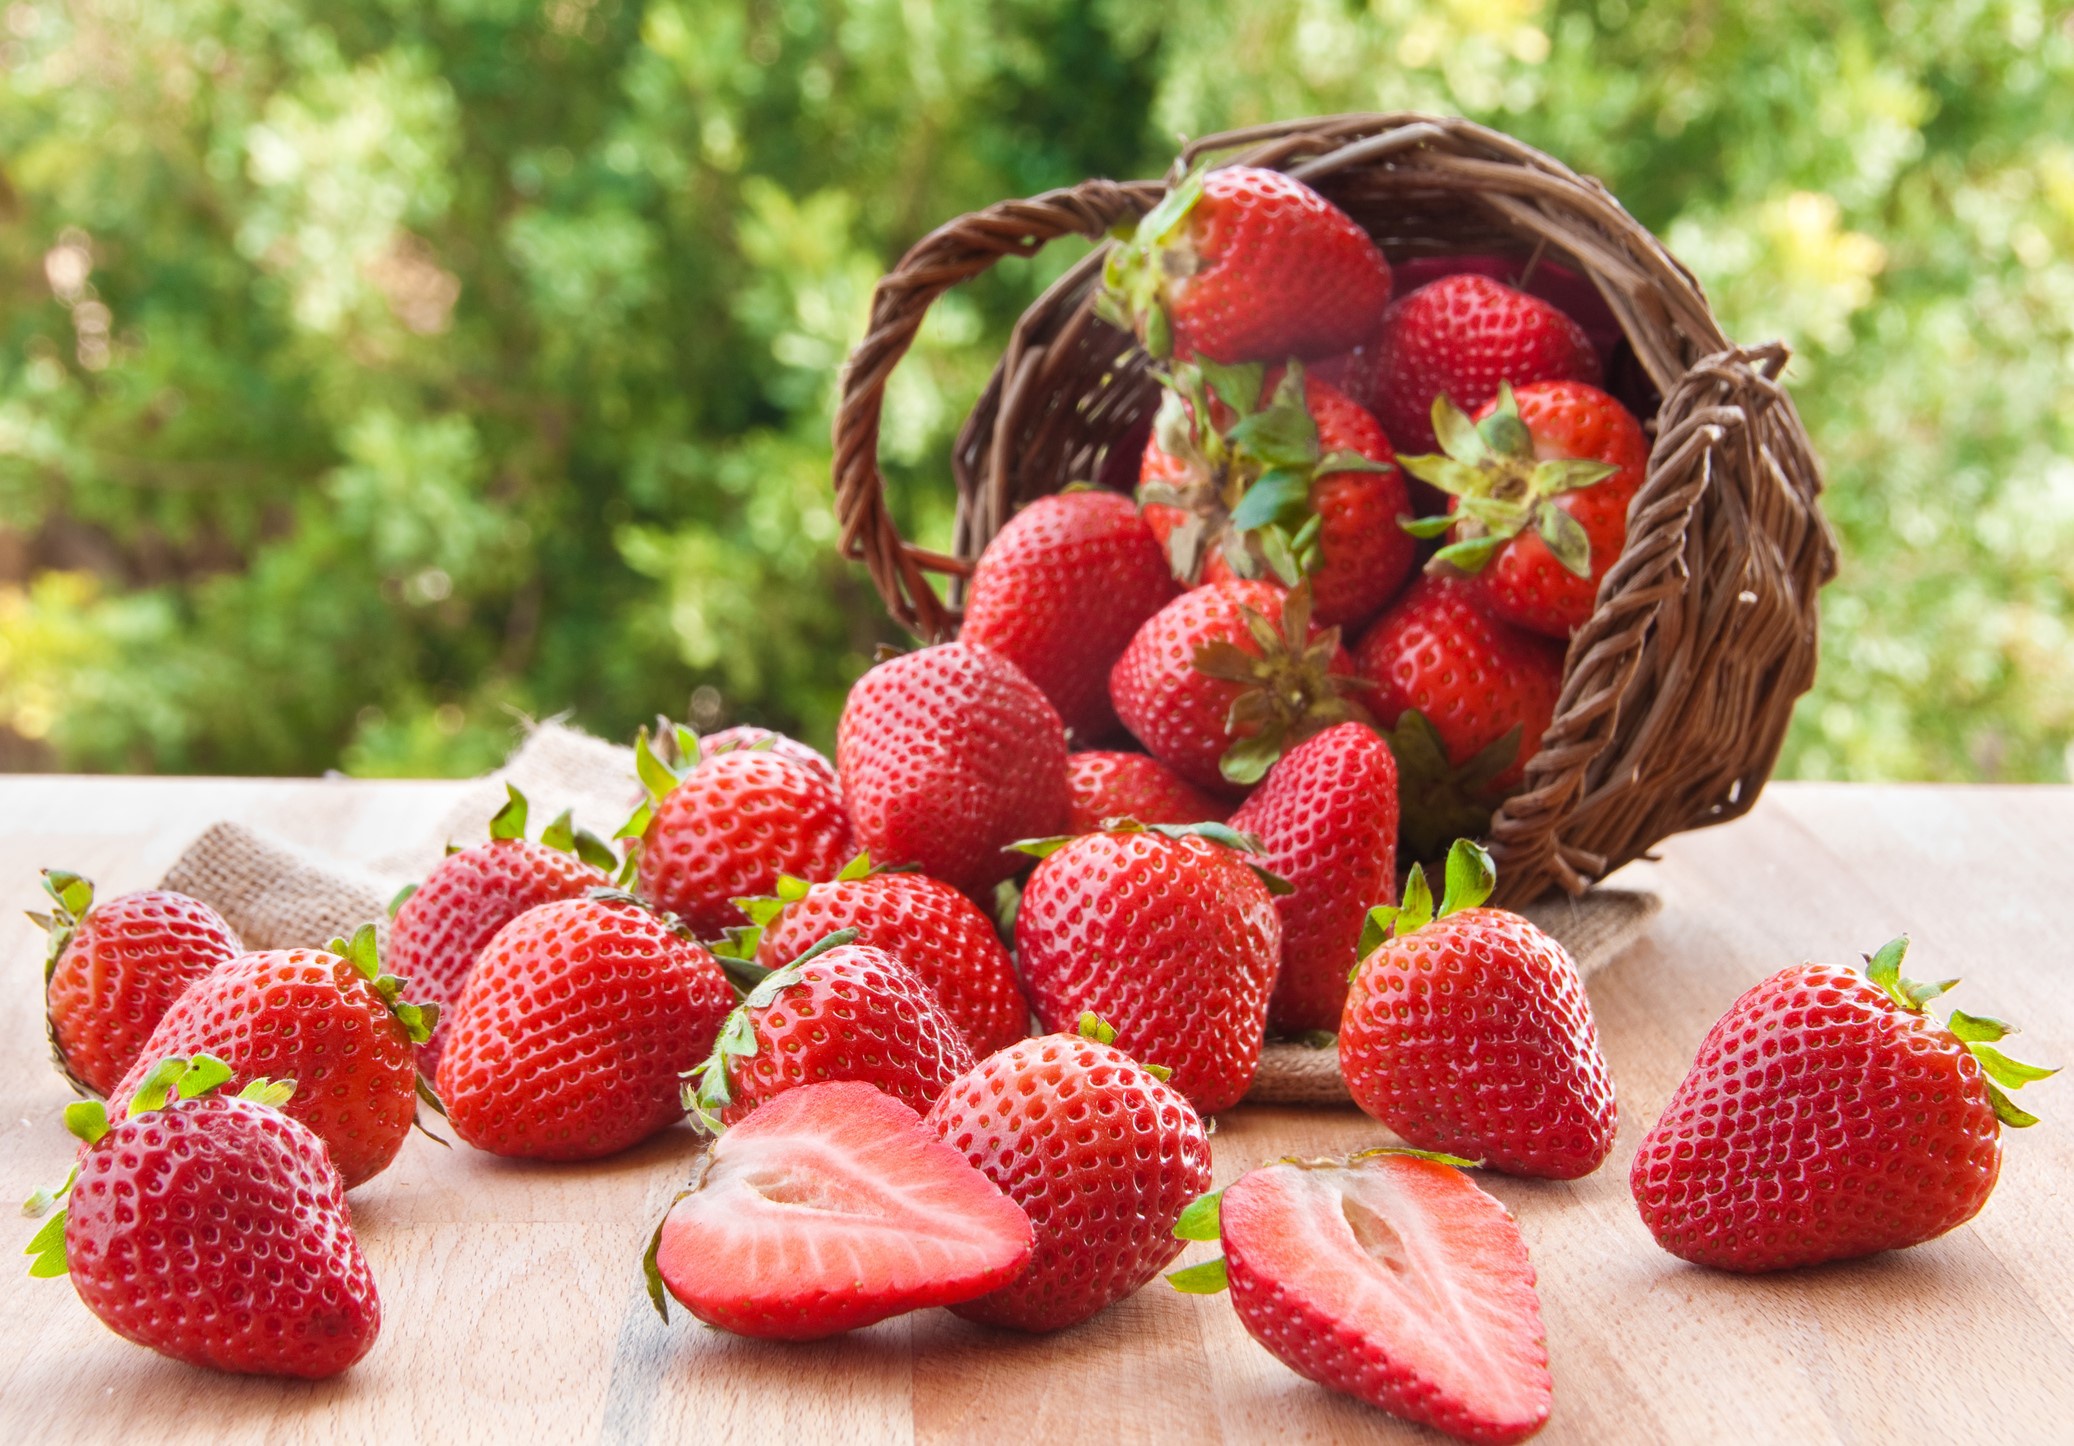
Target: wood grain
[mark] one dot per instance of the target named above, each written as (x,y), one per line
(513,1306)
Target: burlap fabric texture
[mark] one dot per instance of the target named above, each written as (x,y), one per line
(280,894)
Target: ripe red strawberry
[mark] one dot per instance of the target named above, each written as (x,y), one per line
(1539,490)
(840,1011)
(1829,1116)
(1245,478)
(332,1020)
(1133,785)
(1471,1033)
(1060,591)
(948,755)
(744,736)
(832,1207)
(113,968)
(716,828)
(1465,698)
(1463,336)
(931,928)
(1326,818)
(1226,677)
(212,1228)
(1390,1277)
(1243,264)
(1568,291)
(442,924)
(1103,1198)
(1168,935)
(575,1029)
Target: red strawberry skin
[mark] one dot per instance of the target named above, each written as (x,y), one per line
(730,827)
(1102,1200)
(948,755)
(932,929)
(1173,942)
(574,1030)
(1463,335)
(831,1208)
(1472,1036)
(1060,592)
(310,1016)
(1819,1122)
(1326,816)
(462,904)
(127,961)
(1396,1281)
(1472,676)
(745,736)
(852,1013)
(215,1231)
(1176,712)
(1135,786)
(1278,271)
(1524,584)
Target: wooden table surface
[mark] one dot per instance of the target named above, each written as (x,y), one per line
(512,1298)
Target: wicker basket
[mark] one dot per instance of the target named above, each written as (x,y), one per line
(1676,692)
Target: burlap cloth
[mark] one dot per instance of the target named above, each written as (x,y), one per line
(280,893)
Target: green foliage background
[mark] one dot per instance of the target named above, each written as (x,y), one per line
(372,369)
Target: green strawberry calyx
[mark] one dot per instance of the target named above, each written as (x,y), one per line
(1978,1033)
(172,1078)
(1249,491)
(1438,800)
(1287,689)
(364,954)
(1092,1026)
(562,835)
(1501,487)
(741,941)
(706,1091)
(1470,879)
(1143,264)
(1202,1218)
(1215,832)
(71,896)
(658,777)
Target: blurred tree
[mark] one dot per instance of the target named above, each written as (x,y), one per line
(371,370)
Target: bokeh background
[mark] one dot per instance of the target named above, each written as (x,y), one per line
(375,370)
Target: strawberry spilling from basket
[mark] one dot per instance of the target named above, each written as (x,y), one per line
(954,1008)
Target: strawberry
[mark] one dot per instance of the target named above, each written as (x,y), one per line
(1227,676)
(330,1019)
(744,736)
(715,828)
(1568,291)
(1539,490)
(1243,264)
(1461,337)
(1465,699)
(1828,1116)
(1326,818)
(1136,786)
(841,1010)
(1166,933)
(1282,476)
(441,925)
(575,1028)
(113,968)
(931,928)
(948,755)
(830,1208)
(1102,1198)
(1470,1032)
(1389,1276)
(1060,591)
(211,1228)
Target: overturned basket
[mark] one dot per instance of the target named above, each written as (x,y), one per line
(1676,692)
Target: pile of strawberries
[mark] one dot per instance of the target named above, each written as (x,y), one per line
(834,969)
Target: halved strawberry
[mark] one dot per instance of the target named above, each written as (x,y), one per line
(1389,1276)
(830,1208)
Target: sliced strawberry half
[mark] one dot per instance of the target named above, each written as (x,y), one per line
(1389,1276)
(830,1208)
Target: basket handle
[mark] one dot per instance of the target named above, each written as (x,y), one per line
(955,252)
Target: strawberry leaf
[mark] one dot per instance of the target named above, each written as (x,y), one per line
(1566,539)
(88,1119)
(1209,1278)
(1471,876)
(1469,555)
(1200,1219)
(1279,495)
(1093,1026)
(2007,1072)
(48,1247)
(509,821)
(2007,1111)
(402,897)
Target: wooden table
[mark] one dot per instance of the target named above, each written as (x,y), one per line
(512,1294)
